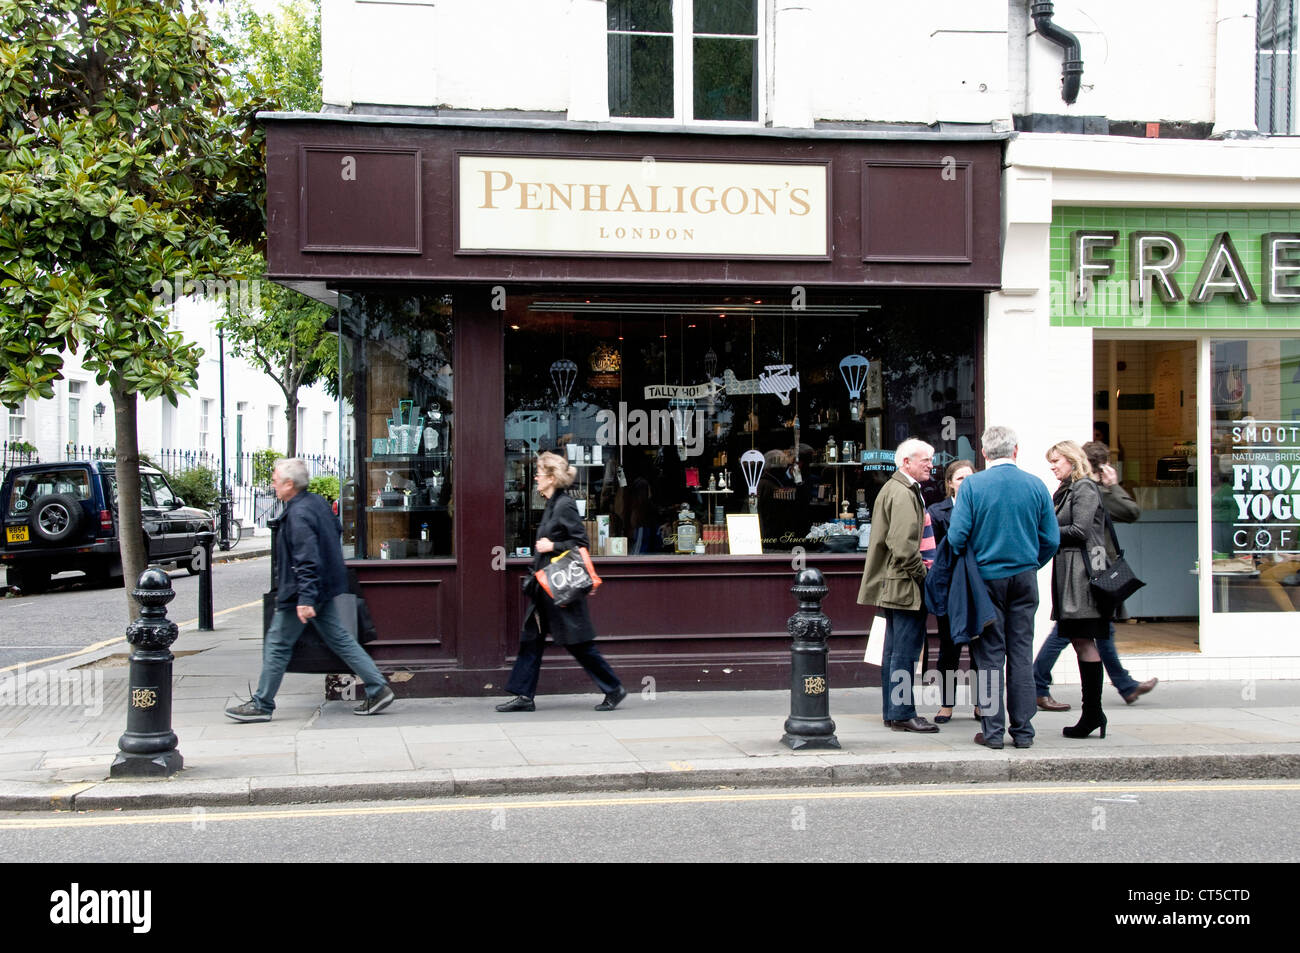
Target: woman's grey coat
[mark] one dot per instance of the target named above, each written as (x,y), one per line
(1084,543)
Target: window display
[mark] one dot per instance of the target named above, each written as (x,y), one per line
(397,504)
(678,413)
(1256,474)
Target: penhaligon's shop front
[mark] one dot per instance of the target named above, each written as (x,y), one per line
(727,333)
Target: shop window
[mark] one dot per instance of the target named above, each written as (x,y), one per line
(692,60)
(397,498)
(1275,67)
(1255,476)
(680,416)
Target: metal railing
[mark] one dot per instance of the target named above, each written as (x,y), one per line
(251,504)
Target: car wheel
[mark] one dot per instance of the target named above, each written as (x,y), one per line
(56,517)
(29,581)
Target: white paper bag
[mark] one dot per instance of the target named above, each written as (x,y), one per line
(876,640)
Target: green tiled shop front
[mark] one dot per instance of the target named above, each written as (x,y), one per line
(1112,303)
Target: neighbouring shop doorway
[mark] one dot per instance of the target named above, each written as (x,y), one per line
(1145,399)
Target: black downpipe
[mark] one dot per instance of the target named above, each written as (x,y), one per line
(1072,67)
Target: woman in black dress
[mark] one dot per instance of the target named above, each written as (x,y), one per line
(949,651)
(570,626)
(1082,518)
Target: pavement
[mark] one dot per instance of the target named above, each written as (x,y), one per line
(60,725)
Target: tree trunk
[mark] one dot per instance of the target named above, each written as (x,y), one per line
(130,532)
(291,418)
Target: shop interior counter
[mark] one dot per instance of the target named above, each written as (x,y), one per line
(1161,548)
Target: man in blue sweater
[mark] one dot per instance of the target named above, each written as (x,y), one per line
(1005,518)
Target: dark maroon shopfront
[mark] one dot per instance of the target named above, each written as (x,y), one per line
(666,308)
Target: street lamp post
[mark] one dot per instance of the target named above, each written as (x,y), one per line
(224,505)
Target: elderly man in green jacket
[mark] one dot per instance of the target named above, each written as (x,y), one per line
(892,579)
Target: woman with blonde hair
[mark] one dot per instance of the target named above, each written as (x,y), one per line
(560,529)
(1082,519)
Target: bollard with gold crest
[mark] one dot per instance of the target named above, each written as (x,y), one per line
(809,724)
(148,748)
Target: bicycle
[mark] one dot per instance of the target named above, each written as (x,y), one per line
(229,530)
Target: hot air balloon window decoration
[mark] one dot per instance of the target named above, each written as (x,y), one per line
(563,374)
(854,371)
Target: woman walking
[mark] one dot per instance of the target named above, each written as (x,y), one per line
(570,626)
(1082,518)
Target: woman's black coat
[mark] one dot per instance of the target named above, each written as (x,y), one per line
(571,624)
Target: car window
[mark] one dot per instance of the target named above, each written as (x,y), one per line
(162,493)
(31,486)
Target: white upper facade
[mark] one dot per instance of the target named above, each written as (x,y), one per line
(815,61)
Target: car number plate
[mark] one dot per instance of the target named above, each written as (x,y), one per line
(16,534)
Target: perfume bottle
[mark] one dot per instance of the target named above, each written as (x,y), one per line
(831,451)
(688,531)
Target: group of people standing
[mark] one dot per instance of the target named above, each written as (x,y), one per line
(986,542)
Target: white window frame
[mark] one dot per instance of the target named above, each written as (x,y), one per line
(205,421)
(1287,84)
(272,411)
(76,391)
(683,13)
(18,415)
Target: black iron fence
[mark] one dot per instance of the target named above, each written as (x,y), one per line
(252,503)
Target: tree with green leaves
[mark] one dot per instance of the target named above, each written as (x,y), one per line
(278,64)
(286,335)
(123,164)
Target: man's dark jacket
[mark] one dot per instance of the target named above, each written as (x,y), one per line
(953,587)
(309,567)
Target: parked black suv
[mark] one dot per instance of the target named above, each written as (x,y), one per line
(63,516)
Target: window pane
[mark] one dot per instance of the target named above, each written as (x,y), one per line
(640,76)
(726,16)
(641,15)
(576,382)
(725,79)
(1253,479)
(397,503)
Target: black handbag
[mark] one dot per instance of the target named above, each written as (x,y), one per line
(1115,583)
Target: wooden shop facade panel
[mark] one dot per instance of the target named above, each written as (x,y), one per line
(727,335)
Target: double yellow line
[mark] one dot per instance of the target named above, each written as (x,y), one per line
(202,816)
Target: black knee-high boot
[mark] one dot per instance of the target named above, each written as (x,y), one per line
(1092,717)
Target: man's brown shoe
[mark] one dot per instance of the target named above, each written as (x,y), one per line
(913,724)
(1142,689)
(1048,703)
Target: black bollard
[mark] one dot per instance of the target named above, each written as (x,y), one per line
(809,724)
(148,748)
(203,552)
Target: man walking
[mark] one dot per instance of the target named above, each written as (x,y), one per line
(892,577)
(1005,519)
(309,575)
(1122,509)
